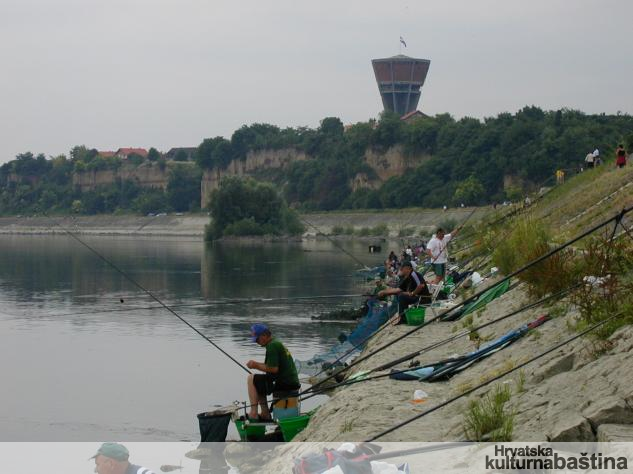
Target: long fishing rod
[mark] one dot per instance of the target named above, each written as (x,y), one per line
(383,327)
(149,293)
(352,381)
(494,379)
(475,296)
(435,345)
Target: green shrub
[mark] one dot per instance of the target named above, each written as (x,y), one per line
(363,231)
(613,264)
(247,207)
(528,241)
(488,419)
(337,230)
(349,230)
(242,227)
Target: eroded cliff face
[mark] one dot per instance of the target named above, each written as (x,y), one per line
(147,175)
(254,162)
(385,165)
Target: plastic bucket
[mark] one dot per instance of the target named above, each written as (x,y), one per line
(291,426)
(249,431)
(415,316)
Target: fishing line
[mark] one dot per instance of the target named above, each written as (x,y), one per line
(207,304)
(313,393)
(435,345)
(494,379)
(364,267)
(384,326)
(148,292)
(476,295)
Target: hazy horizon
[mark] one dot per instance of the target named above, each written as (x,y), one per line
(140,73)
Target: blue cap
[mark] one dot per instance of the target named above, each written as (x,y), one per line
(257,330)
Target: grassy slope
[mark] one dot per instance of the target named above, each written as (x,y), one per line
(586,199)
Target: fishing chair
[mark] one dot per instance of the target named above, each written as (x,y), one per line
(285,404)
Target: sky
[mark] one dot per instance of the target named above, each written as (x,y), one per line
(167,73)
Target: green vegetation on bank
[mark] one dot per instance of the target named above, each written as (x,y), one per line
(454,161)
(467,161)
(35,184)
(247,208)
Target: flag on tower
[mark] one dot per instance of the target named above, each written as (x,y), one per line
(403,42)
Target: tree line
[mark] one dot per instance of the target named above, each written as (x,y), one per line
(467,161)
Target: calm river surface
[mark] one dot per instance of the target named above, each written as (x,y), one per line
(83,358)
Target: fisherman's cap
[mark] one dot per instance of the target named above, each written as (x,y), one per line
(115,451)
(257,330)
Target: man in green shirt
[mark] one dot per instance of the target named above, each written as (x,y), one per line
(280,373)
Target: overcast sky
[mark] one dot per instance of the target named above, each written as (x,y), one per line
(165,73)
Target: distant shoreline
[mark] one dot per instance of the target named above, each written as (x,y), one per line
(192,225)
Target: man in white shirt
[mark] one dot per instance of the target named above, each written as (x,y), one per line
(437,250)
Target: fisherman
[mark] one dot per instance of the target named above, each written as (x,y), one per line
(112,458)
(280,373)
(437,250)
(412,290)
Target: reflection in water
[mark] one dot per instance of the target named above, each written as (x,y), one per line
(81,359)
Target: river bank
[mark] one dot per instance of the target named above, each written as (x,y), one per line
(398,222)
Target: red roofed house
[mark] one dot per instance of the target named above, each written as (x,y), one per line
(413,115)
(107,154)
(123,153)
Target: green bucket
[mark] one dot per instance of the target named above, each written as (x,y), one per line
(415,316)
(291,426)
(249,431)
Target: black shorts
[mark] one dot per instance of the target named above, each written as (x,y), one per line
(266,385)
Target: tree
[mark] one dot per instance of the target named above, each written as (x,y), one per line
(388,132)
(213,152)
(331,127)
(183,188)
(153,154)
(181,155)
(135,159)
(246,206)
(470,192)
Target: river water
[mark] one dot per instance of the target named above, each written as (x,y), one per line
(86,355)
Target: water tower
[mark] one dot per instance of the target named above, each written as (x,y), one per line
(400,79)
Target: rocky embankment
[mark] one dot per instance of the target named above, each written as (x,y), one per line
(577,393)
(582,391)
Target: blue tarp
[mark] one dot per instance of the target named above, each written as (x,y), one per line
(378,313)
(449,367)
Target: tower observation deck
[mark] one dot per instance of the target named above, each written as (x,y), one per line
(400,79)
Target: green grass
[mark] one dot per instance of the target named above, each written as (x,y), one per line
(489,419)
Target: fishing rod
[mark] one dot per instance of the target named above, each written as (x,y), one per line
(494,379)
(383,327)
(150,294)
(476,295)
(388,365)
(435,345)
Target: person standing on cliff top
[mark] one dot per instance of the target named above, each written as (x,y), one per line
(437,250)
